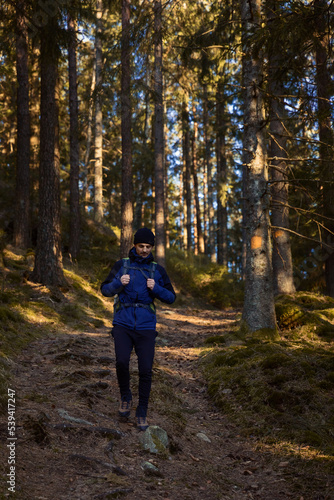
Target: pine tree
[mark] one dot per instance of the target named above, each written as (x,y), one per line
(126,204)
(74,246)
(48,261)
(22,211)
(159,138)
(98,138)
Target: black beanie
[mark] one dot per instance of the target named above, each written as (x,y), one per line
(144,235)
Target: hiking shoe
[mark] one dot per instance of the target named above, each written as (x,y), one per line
(125,408)
(142,424)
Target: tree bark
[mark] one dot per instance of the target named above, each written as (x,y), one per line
(282,257)
(326,136)
(221,180)
(142,179)
(87,160)
(35,102)
(200,238)
(160,249)
(211,240)
(258,310)
(48,261)
(126,201)
(74,246)
(186,172)
(22,208)
(98,146)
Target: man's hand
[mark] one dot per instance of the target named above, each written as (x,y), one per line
(150,283)
(125,279)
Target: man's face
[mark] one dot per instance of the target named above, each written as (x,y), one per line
(143,249)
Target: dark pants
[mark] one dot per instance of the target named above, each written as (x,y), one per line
(144,343)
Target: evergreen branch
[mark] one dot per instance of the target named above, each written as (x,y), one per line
(298,209)
(295,159)
(304,237)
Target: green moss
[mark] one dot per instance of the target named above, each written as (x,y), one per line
(215,340)
(307,315)
(72,312)
(258,336)
(7,314)
(279,390)
(276,360)
(289,315)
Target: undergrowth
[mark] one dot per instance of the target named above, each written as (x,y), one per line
(281,391)
(197,276)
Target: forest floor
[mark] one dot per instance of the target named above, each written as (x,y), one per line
(72,445)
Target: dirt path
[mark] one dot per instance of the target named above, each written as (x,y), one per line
(68,377)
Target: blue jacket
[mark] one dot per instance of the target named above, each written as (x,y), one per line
(140,316)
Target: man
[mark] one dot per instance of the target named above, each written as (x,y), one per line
(137,281)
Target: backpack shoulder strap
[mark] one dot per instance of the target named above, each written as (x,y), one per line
(153,267)
(126,265)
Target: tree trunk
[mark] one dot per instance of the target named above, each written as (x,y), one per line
(126,202)
(48,261)
(259,310)
(160,249)
(74,245)
(35,102)
(142,179)
(22,208)
(221,181)
(326,136)
(209,180)
(187,173)
(98,146)
(166,165)
(282,258)
(87,160)
(200,238)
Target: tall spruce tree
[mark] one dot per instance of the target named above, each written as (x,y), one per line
(258,310)
(326,135)
(282,257)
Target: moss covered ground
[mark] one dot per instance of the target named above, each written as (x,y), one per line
(280,392)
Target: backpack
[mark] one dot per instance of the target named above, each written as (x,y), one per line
(126,266)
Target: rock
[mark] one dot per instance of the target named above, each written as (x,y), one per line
(154,439)
(203,436)
(64,414)
(150,469)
